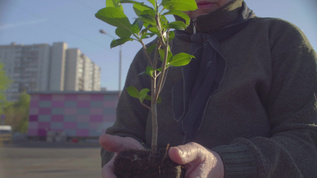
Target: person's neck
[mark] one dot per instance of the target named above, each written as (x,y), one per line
(216,19)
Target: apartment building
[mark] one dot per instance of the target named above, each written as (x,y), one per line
(57,66)
(96,78)
(44,67)
(81,73)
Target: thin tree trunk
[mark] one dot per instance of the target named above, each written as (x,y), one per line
(154,115)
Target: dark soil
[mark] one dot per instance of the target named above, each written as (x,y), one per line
(140,163)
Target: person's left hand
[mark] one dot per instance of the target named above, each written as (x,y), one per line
(198,161)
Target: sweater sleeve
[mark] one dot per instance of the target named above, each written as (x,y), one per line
(291,151)
(130,114)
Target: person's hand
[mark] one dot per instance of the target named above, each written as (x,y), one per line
(197,160)
(116,144)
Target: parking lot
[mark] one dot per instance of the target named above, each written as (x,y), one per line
(39,159)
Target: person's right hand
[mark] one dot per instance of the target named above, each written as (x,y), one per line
(116,144)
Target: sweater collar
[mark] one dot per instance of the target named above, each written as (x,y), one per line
(220,18)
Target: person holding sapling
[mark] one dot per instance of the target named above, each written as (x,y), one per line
(244,107)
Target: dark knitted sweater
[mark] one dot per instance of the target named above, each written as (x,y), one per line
(262,118)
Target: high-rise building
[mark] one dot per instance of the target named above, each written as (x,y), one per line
(57,66)
(42,67)
(74,70)
(87,73)
(96,78)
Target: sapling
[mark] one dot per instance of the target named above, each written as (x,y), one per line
(151,22)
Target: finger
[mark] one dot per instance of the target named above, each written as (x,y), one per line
(198,161)
(107,170)
(188,153)
(115,143)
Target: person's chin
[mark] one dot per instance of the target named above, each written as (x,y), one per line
(200,14)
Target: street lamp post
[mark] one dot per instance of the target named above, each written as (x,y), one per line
(120,59)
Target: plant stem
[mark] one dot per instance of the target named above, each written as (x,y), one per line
(154,116)
(163,75)
(154,90)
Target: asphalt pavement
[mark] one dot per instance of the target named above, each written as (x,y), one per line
(40,159)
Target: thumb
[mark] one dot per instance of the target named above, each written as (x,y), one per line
(188,153)
(113,143)
(197,160)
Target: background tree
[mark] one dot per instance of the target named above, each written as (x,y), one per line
(17,113)
(4,85)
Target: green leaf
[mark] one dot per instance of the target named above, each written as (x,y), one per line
(170,54)
(171,35)
(120,41)
(154,30)
(148,97)
(159,99)
(177,25)
(164,22)
(162,54)
(132,91)
(141,8)
(5,82)
(152,2)
(137,26)
(181,59)
(114,3)
(159,69)
(123,32)
(148,18)
(179,14)
(149,71)
(145,24)
(143,94)
(180,5)
(147,35)
(128,1)
(114,16)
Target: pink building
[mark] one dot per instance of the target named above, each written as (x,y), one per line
(76,114)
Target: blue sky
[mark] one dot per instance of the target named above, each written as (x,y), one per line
(73,21)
